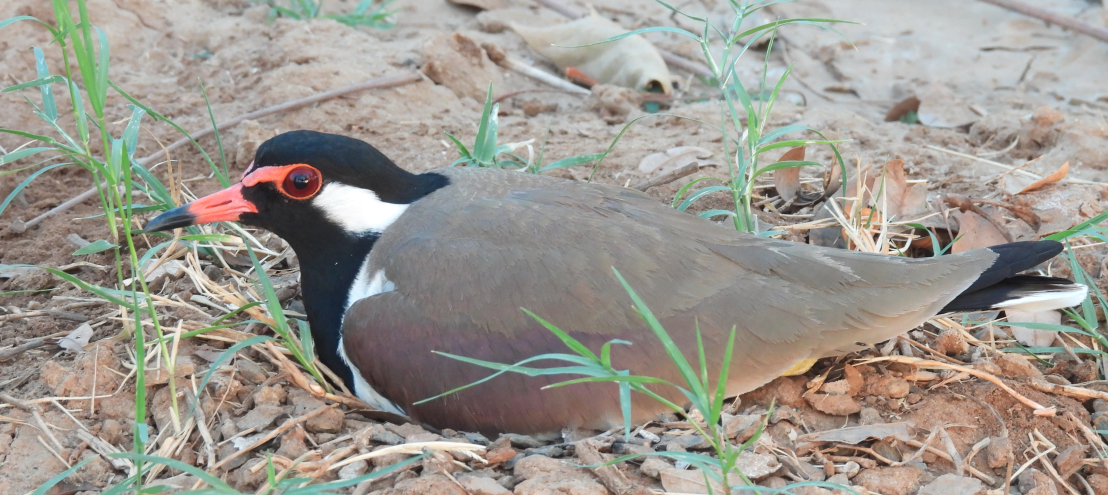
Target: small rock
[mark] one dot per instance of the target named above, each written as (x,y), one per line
(353,470)
(111,431)
(522,441)
(838,387)
(904,480)
(435,484)
(544,476)
(1086,371)
(329,421)
(653,465)
(886,386)
(1034,482)
(952,484)
(422,437)
(775,482)
(480,485)
(835,405)
(250,371)
(870,416)
(757,466)
(405,430)
(1016,367)
(293,444)
(839,479)
(1070,461)
(271,396)
(631,448)
(850,469)
(535,465)
(1100,405)
(227,450)
(741,428)
(259,418)
(1099,482)
(688,441)
(379,434)
(887,450)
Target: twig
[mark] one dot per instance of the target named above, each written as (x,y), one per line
(667,177)
(1067,390)
(1006,167)
(501,58)
(972,470)
(378,83)
(416,448)
(1039,409)
(287,425)
(670,57)
(65,315)
(1051,17)
(612,478)
(36,412)
(20,349)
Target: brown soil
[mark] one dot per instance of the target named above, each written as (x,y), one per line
(1020,77)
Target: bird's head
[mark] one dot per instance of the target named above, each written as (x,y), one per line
(306,185)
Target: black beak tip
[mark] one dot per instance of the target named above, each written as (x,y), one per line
(172,219)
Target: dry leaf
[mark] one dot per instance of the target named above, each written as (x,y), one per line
(975,232)
(858,434)
(897,112)
(76,341)
(787,180)
(1033,337)
(673,158)
(631,62)
(1050,179)
(904,200)
(482,4)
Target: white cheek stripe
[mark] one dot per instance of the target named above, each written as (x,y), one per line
(363,287)
(356,209)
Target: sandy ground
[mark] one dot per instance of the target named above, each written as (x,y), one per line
(993,75)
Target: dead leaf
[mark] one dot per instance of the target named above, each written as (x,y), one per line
(975,232)
(76,341)
(482,4)
(1029,336)
(1050,179)
(898,111)
(631,62)
(787,180)
(904,200)
(673,159)
(857,434)
(832,179)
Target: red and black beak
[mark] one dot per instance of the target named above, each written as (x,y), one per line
(224,206)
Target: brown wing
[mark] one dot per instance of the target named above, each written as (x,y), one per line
(466,259)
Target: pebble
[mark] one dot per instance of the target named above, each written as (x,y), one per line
(480,485)
(757,466)
(1070,460)
(353,470)
(835,405)
(741,428)
(952,484)
(259,418)
(886,386)
(521,441)
(653,465)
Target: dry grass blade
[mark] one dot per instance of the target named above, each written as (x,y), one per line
(416,448)
(1039,409)
(287,425)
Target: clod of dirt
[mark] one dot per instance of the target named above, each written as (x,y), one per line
(293,443)
(183,368)
(459,63)
(853,376)
(435,484)
(998,452)
(270,396)
(839,387)
(613,103)
(951,343)
(1034,482)
(111,431)
(260,418)
(903,480)
(98,364)
(545,475)
(353,470)
(742,427)
(481,485)
(1012,365)
(886,386)
(835,405)
(757,466)
(952,484)
(1070,461)
(653,465)
(329,421)
(1099,482)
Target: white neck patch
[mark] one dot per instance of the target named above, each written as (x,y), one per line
(355,209)
(365,286)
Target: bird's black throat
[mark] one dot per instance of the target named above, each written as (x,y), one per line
(330,260)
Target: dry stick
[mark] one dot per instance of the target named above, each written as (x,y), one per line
(1015,170)
(273,434)
(64,315)
(972,470)
(609,475)
(668,177)
(36,412)
(1039,409)
(1052,17)
(378,83)
(20,349)
(670,57)
(501,58)
(1067,390)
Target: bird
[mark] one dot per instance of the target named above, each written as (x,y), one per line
(396,267)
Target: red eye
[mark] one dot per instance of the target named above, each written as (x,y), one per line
(301,182)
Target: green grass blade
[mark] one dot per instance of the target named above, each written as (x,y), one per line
(94,247)
(40,82)
(101,80)
(49,106)
(699,194)
(573,161)
(684,189)
(716,213)
(783,165)
(208,478)
(26,181)
(23,153)
(570,342)
(223,178)
(45,487)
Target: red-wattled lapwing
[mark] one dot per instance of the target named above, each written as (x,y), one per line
(396,265)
